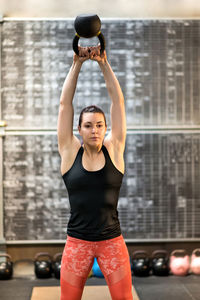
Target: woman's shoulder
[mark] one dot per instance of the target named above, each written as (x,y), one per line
(113,146)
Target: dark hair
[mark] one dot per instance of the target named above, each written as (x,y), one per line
(91,109)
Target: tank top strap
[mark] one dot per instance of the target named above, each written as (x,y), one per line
(80,151)
(105,152)
(79,155)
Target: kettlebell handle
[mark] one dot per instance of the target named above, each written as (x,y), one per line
(77,37)
(43,254)
(57,256)
(6,255)
(180,252)
(162,253)
(196,252)
(140,253)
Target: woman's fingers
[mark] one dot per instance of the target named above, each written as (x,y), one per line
(83,53)
(93,53)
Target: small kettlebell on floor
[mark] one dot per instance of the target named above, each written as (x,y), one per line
(43,265)
(195,262)
(6,267)
(179,262)
(57,265)
(140,263)
(160,263)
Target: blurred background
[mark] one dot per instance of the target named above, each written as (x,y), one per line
(155,55)
(104,8)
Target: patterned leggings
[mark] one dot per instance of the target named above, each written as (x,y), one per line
(113,260)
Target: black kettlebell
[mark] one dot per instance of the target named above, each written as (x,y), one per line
(140,263)
(57,265)
(6,267)
(43,265)
(87,26)
(160,263)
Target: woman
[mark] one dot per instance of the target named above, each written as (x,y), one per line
(93,175)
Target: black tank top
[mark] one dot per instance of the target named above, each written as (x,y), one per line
(93,197)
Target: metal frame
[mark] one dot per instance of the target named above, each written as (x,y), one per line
(35,131)
(128,241)
(102,18)
(2,132)
(2,240)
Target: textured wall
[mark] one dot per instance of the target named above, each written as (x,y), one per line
(157,64)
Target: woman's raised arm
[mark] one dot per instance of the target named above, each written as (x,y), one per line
(66,111)
(118,117)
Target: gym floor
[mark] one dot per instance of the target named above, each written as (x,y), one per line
(148,288)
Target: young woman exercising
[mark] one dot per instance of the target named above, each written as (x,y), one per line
(93,174)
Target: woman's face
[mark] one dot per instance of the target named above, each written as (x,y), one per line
(92,128)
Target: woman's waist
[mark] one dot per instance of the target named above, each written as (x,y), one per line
(95,234)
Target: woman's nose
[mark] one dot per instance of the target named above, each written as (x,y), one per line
(94,129)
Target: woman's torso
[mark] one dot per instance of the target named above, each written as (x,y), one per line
(93,197)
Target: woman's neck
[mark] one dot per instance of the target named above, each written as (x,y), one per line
(92,151)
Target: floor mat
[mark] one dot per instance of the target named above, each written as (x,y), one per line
(89,293)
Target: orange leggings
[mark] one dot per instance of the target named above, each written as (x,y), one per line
(113,260)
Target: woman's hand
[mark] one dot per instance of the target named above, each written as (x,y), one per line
(96,55)
(83,54)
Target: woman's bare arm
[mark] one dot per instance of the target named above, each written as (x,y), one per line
(66,111)
(118,117)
